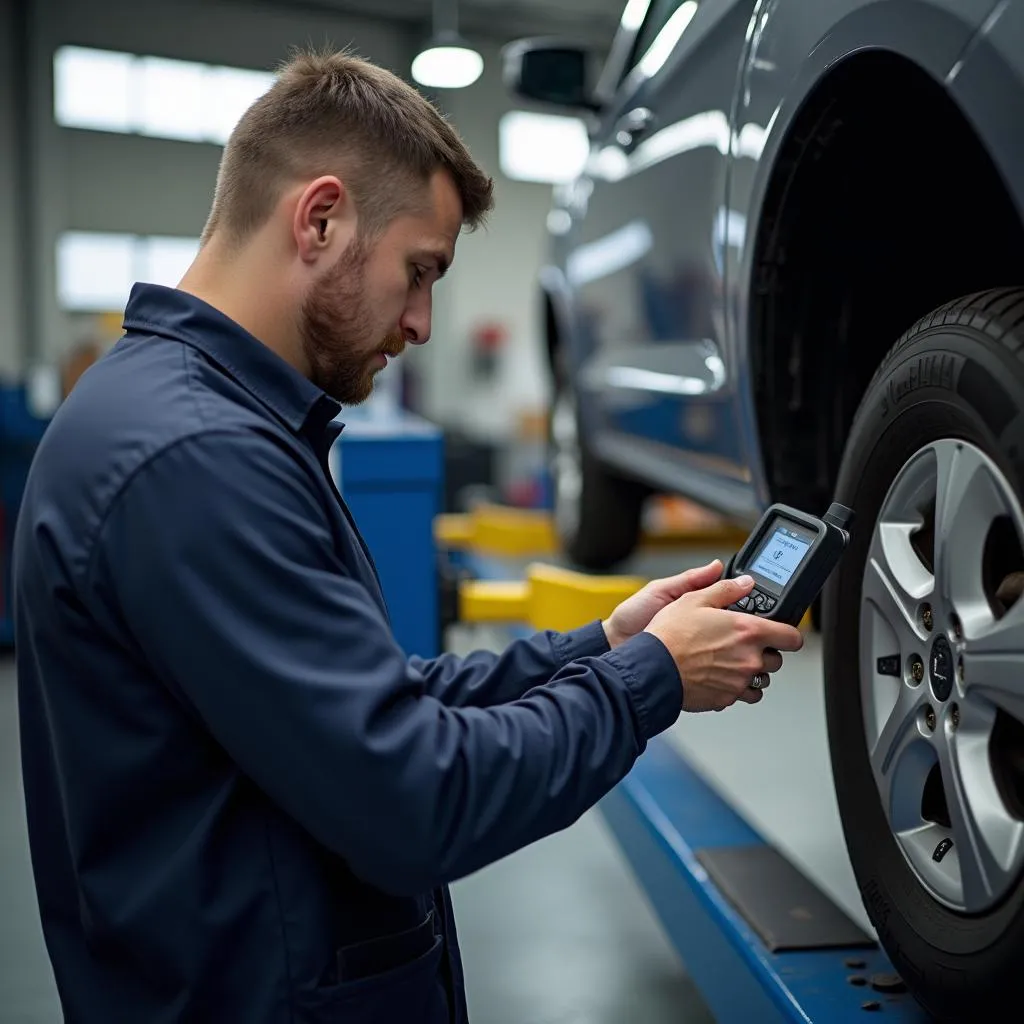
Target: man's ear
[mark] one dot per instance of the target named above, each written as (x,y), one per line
(321,213)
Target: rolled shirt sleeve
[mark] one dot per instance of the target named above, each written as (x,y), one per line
(219,557)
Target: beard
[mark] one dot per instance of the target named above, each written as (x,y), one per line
(335,322)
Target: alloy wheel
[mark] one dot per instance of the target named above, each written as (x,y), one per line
(942,672)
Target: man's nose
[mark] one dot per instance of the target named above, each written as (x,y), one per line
(415,324)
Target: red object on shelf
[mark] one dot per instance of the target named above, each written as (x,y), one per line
(489,337)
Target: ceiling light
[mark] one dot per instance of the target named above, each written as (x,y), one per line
(448,61)
(447,64)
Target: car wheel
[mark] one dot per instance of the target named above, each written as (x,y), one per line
(597,514)
(924,656)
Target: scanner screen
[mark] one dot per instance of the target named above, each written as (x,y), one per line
(781,553)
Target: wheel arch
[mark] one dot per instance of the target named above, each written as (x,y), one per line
(926,215)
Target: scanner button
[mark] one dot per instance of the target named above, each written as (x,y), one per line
(759,600)
(769,603)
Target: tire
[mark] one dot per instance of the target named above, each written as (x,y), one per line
(956,378)
(598,514)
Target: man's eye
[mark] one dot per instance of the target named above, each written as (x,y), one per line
(417,276)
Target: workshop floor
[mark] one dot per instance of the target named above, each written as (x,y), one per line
(556,934)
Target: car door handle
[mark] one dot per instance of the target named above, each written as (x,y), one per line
(632,127)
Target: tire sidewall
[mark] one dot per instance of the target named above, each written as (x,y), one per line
(916,399)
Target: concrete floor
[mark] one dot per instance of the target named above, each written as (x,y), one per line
(555,934)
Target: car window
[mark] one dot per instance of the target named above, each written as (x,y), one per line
(657,18)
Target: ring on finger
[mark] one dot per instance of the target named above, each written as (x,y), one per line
(761,681)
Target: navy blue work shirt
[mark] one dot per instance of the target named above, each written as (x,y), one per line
(244,801)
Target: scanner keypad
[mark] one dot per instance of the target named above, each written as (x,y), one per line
(756,602)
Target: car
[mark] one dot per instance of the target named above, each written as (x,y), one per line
(792,270)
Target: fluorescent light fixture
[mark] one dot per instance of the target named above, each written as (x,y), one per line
(665,41)
(170,99)
(447,67)
(92,89)
(96,270)
(546,148)
(634,14)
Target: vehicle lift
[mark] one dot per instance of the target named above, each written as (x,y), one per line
(762,942)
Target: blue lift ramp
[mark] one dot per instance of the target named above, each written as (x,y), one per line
(763,944)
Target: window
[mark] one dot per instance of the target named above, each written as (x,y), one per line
(546,148)
(92,89)
(96,270)
(103,90)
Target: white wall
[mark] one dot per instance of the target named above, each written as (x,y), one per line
(10,278)
(494,278)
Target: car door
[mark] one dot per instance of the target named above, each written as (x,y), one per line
(656,373)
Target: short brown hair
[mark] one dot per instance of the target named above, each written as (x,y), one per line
(335,113)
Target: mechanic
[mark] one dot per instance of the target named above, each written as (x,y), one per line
(245,802)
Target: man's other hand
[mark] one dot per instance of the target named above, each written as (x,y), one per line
(635,613)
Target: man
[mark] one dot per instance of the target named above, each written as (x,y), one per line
(245,803)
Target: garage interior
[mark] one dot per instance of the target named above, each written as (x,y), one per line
(559,933)
(109,150)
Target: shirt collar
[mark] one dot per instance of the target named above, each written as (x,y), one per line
(172,313)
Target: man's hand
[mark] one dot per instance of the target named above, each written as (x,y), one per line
(635,613)
(718,652)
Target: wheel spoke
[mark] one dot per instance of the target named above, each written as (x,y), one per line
(898,734)
(986,837)
(968,499)
(994,663)
(892,568)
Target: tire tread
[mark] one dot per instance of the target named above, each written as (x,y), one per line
(977,310)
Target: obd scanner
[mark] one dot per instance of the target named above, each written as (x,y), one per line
(790,555)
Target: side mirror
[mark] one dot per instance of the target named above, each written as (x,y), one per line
(550,72)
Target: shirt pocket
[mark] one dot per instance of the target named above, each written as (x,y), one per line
(391,979)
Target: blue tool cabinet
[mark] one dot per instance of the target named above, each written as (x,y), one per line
(389,469)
